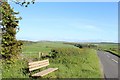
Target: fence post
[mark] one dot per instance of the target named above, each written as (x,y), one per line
(39,54)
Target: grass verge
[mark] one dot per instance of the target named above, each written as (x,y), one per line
(71,61)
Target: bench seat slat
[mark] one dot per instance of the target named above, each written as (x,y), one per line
(45,72)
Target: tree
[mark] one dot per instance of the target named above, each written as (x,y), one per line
(11,47)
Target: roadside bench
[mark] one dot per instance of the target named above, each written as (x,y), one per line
(39,64)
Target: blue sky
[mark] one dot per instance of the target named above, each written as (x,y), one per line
(69,21)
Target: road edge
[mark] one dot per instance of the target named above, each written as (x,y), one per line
(112,53)
(101,66)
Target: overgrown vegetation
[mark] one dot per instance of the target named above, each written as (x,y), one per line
(75,63)
(112,47)
(18,69)
(71,61)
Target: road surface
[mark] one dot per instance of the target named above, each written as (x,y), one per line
(109,63)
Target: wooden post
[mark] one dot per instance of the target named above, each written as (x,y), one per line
(39,54)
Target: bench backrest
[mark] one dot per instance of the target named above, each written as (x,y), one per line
(38,64)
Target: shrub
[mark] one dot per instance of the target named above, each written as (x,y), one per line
(79,45)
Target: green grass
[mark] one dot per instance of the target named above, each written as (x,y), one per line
(32,50)
(114,48)
(42,46)
(71,61)
(16,70)
(81,64)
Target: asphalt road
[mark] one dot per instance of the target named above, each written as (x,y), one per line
(109,63)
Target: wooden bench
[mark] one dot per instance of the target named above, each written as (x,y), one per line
(39,64)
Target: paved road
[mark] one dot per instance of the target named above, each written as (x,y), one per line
(109,64)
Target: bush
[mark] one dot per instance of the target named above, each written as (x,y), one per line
(53,53)
(79,45)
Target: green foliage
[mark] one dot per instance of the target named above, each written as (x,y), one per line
(71,61)
(112,47)
(75,63)
(53,53)
(79,45)
(18,69)
(85,45)
(10,46)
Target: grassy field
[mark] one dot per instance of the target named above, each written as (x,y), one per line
(114,48)
(71,61)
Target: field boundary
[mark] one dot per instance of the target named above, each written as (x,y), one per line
(112,53)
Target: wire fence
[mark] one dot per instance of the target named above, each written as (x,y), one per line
(33,55)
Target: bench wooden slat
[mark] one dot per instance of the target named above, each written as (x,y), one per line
(45,72)
(38,62)
(31,69)
(35,65)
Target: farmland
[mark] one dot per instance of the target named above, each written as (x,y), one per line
(72,62)
(112,47)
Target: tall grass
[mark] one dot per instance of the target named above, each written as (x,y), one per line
(74,63)
(15,70)
(114,48)
(71,61)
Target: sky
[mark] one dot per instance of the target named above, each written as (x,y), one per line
(69,21)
